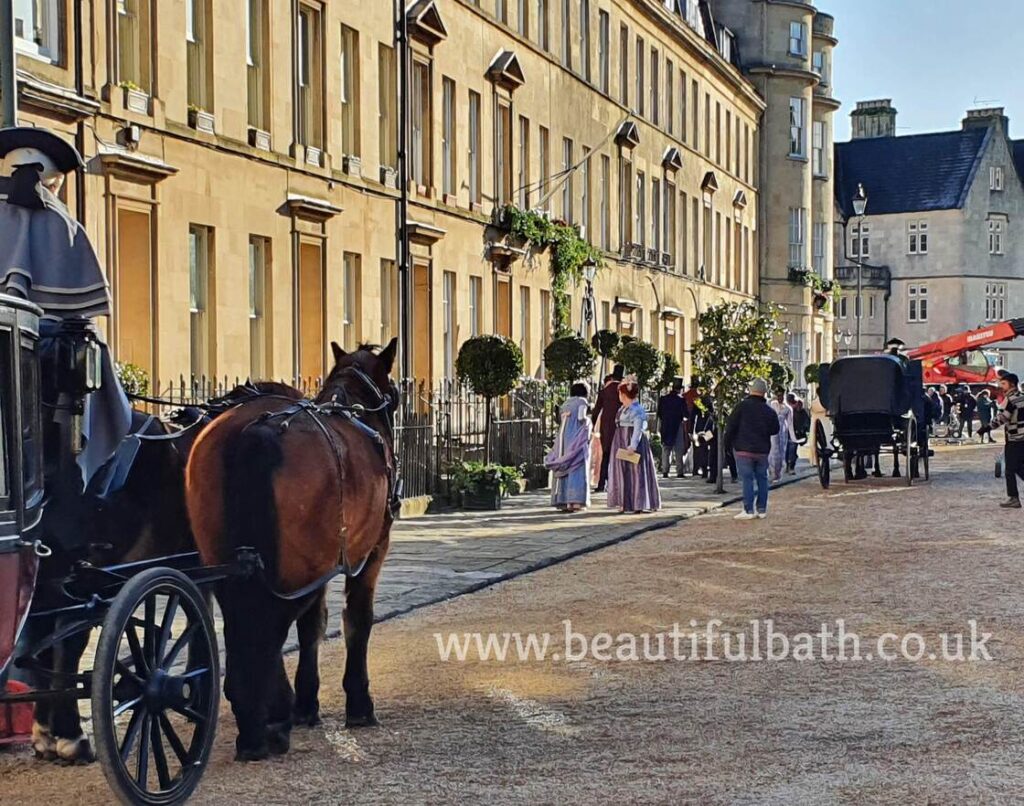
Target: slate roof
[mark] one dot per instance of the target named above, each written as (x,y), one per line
(1017,147)
(914,173)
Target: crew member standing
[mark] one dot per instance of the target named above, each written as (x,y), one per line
(672,427)
(1011,418)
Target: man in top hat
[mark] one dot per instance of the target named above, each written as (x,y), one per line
(605,411)
(672,427)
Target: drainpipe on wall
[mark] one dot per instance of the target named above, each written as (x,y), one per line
(8,78)
(77,38)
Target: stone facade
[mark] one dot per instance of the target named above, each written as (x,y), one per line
(786,49)
(239,187)
(972,267)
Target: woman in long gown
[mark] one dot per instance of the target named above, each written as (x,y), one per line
(632,485)
(780,441)
(569,460)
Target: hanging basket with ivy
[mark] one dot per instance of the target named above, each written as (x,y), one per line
(569,253)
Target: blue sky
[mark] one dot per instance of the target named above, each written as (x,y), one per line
(934,58)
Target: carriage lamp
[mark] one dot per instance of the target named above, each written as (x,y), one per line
(590,270)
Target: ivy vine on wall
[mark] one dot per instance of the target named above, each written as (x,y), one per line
(569,253)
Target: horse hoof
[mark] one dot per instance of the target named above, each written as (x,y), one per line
(365,721)
(307,720)
(75,751)
(43,743)
(279,738)
(246,754)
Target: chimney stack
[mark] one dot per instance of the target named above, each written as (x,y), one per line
(873,119)
(983,118)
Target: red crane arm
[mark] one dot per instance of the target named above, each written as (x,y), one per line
(969,340)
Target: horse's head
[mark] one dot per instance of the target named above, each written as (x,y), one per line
(364,376)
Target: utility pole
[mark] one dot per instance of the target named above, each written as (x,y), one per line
(402,214)
(8,77)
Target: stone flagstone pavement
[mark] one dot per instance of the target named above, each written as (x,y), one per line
(436,557)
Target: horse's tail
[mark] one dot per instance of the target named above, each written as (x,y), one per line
(251,458)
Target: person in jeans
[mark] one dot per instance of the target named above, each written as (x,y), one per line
(1011,418)
(749,433)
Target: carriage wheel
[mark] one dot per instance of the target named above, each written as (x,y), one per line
(156,689)
(824,457)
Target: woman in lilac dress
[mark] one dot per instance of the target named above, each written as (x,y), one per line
(569,460)
(632,486)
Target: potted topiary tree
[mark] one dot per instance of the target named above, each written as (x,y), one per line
(569,359)
(605,342)
(669,371)
(491,366)
(640,358)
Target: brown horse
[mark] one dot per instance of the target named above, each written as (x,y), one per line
(306,485)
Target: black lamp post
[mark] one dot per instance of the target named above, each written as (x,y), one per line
(860,204)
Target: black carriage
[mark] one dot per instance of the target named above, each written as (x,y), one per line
(875,403)
(154,682)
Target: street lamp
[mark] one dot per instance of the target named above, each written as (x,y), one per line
(589,304)
(860,205)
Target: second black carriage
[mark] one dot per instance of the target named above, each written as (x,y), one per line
(875,403)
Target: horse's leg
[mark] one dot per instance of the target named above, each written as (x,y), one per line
(279,709)
(311,627)
(253,640)
(358,620)
(43,743)
(65,720)
(895,462)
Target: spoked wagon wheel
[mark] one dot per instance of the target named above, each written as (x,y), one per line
(156,689)
(824,454)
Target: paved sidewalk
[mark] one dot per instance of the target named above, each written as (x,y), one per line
(437,557)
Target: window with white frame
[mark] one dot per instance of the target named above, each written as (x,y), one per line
(655,214)
(842,307)
(448,322)
(860,242)
(133,42)
(655,87)
(543,25)
(917,237)
(585,38)
(352,297)
(797,226)
(447,136)
(640,227)
(605,202)
(917,303)
(798,38)
(603,54)
(797,147)
(566,34)
(995,302)
(819,235)
(567,183)
(995,236)
(259,264)
(523,179)
(37,28)
(476,313)
(818,147)
(350,128)
(995,177)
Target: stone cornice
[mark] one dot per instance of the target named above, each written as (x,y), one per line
(54,99)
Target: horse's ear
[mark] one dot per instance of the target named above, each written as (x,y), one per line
(387,355)
(338,352)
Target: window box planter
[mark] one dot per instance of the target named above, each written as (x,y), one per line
(820,300)
(389,177)
(201,120)
(135,100)
(352,165)
(799,276)
(259,139)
